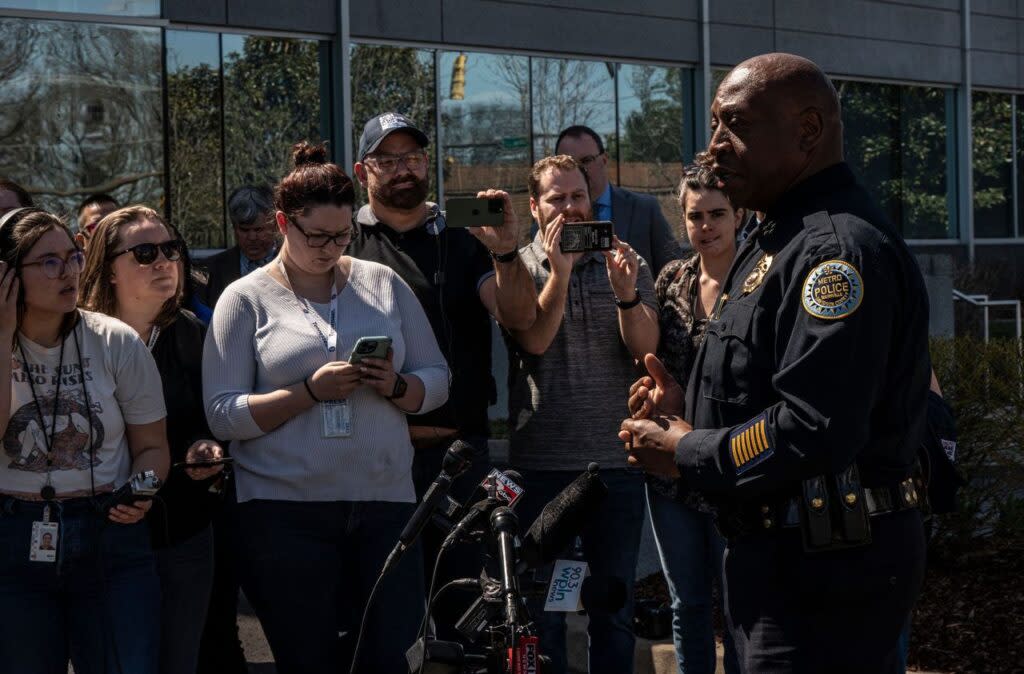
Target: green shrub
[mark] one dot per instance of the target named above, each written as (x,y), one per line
(984,383)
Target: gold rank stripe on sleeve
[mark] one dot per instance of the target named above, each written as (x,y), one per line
(749,444)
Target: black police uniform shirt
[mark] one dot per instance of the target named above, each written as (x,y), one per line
(445,268)
(816,354)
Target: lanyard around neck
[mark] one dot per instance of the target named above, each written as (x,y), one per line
(330,339)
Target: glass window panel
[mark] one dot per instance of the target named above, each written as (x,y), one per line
(895,142)
(651,134)
(394,79)
(114,7)
(992,119)
(567,92)
(81,111)
(486,132)
(194,116)
(271,102)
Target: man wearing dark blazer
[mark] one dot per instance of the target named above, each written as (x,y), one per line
(251,210)
(638,218)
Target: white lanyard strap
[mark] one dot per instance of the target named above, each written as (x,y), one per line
(153,336)
(329,340)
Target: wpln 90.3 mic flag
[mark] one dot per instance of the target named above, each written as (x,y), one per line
(455,461)
(562,519)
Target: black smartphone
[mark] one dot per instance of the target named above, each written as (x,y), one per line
(370,347)
(205,463)
(581,237)
(473,212)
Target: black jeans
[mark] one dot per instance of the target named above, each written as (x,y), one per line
(840,612)
(308,567)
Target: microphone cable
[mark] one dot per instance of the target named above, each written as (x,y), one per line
(362,623)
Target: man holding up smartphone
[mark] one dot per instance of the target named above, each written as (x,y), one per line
(596,313)
(462,277)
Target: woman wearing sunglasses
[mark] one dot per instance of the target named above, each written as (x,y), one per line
(134,271)
(83,411)
(322,449)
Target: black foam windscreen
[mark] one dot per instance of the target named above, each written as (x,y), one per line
(457,458)
(603,594)
(562,519)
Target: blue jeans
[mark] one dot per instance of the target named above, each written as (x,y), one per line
(691,553)
(186,577)
(307,569)
(611,543)
(97,605)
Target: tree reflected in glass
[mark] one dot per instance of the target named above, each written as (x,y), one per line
(81,111)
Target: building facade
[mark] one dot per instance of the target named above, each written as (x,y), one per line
(175,103)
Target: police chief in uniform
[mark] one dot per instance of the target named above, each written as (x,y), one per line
(807,401)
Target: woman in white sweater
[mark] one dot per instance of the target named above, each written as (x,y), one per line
(321,445)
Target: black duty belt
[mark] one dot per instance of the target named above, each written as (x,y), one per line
(786,514)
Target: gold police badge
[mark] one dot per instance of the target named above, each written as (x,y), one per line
(756,276)
(832,290)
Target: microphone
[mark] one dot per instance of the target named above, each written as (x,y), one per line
(455,461)
(562,519)
(505,525)
(500,488)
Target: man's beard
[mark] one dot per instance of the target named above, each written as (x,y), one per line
(402,199)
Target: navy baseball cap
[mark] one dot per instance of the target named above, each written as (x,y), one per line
(381,126)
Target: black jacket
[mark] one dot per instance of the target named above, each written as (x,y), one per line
(185,506)
(222,270)
(818,362)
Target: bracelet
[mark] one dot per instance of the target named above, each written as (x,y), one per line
(305,382)
(505,257)
(631,303)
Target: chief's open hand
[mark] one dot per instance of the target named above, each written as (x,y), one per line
(656,393)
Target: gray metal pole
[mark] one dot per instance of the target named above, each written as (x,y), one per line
(966,135)
(703,107)
(343,81)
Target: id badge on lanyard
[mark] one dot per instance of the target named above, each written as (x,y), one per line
(335,415)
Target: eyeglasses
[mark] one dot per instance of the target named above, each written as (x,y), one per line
(146,253)
(388,163)
(54,267)
(340,239)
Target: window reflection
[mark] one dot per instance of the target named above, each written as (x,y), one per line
(81,111)
(567,92)
(651,134)
(194,116)
(992,119)
(394,79)
(117,7)
(271,101)
(486,134)
(895,140)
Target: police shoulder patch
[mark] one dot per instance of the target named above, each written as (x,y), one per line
(832,290)
(749,444)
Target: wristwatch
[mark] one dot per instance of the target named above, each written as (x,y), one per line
(622,304)
(505,257)
(401,386)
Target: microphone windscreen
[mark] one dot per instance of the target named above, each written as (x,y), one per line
(562,519)
(457,458)
(603,594)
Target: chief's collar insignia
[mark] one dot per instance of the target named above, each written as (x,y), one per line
(756,276)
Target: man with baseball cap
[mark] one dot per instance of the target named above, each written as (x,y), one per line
(462,278)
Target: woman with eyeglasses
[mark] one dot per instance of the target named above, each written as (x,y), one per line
(82,413)
(321,445)
(135,272)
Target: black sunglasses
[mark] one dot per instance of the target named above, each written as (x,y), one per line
(146,253)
